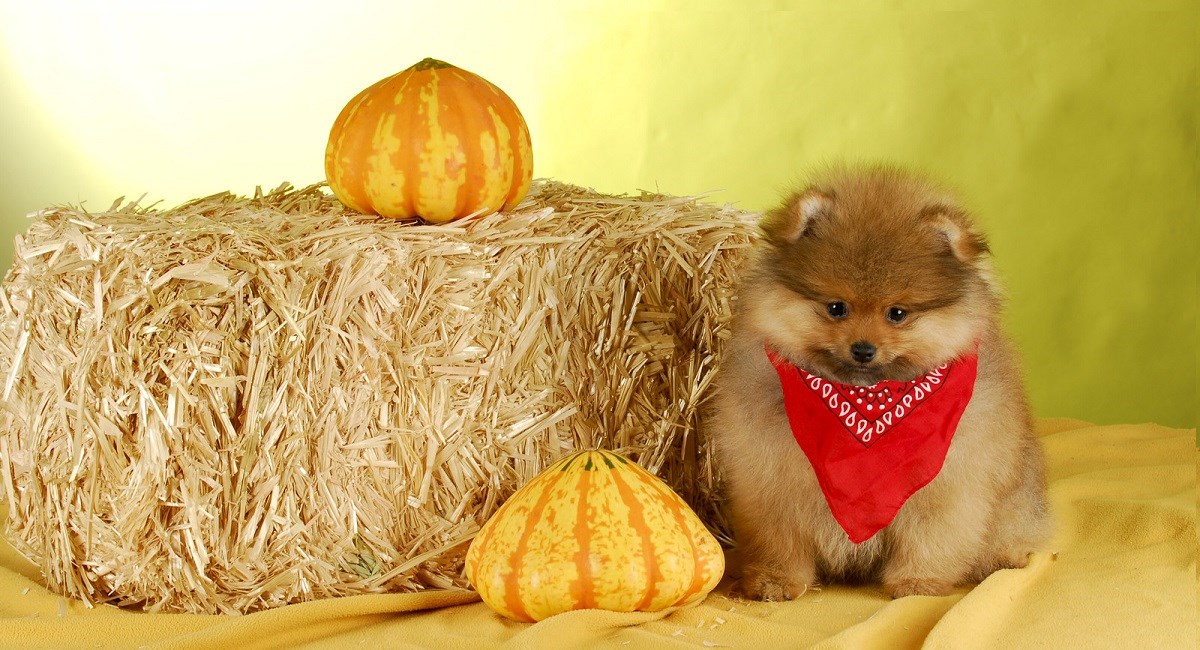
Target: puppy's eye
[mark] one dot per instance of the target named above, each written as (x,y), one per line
(837,309)
(896,314)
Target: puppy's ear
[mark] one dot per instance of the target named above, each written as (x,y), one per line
(966,243)
(788,223)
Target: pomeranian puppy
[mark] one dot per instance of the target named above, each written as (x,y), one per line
(869,418)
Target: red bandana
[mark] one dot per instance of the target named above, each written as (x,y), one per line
(873,447)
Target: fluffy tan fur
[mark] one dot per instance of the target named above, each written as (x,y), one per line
(874,238)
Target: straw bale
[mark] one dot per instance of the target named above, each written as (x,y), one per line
(240,403)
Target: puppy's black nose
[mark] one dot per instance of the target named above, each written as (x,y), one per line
(862,351)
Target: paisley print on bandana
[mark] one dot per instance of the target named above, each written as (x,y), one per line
(873,447)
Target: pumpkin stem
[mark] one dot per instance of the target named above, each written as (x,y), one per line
(430,64)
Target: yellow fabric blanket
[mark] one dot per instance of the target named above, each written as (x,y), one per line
(1120,573)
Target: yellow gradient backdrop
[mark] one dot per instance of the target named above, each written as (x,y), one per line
(1072,133)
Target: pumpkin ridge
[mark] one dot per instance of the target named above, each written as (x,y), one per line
(335,171)
(637,521)
(521,146)
(378,127)
(405,131)
(583,588)
(516,559)
(478,169)
(498,115)
(458,123)
(501,133)
(699,579)
(429,198)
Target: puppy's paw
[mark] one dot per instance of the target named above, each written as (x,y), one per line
(1015,560)
(758,585)
(1011,560)
(918,587)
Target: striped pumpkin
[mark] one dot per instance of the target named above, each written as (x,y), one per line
(433,141)
(594,530)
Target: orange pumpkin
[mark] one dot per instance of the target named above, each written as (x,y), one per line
(432,141)
(594,530)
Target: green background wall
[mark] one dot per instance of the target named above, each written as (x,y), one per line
(1072,133)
